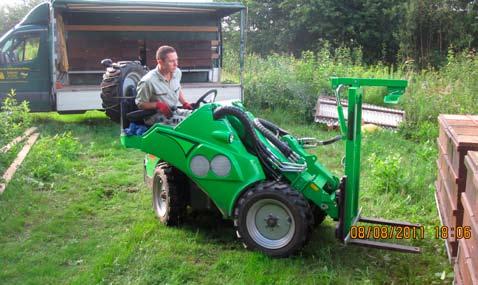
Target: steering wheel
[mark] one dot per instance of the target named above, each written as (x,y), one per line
(202,99)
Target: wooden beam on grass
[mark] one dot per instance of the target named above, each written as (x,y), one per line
(8,175)
(18,139)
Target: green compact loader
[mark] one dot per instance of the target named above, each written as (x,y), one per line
(258,174)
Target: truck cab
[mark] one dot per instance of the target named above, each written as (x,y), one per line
(52,57)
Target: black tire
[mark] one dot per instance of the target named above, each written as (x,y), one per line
(169,194)
(318,213)
(275,203)
(120,80)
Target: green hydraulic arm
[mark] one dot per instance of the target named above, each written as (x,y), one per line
(351,133)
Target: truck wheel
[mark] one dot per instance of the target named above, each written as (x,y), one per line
(169,194)
(273,218)
(120,80)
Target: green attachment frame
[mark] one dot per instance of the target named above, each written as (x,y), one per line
(395,88)
(351,132)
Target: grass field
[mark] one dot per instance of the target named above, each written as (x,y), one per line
(78,212)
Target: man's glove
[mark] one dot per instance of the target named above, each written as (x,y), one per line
(188,106)
(163,108)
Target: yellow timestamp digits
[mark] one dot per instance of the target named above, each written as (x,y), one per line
(458,232)
(387,232)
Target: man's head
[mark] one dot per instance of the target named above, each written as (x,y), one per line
(167,59)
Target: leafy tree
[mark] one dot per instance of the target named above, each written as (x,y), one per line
(432,27)
(11,15)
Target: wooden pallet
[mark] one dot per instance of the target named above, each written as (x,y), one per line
(326,113)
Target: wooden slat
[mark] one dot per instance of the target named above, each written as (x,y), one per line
(125,28)
(17,140)
(8,175)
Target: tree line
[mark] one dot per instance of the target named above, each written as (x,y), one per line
(388,31)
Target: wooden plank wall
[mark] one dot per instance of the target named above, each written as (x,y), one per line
(86,52)
(191,54)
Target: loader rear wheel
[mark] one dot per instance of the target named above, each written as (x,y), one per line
(169,194)
(273,218)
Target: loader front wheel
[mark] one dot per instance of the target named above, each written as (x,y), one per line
(272,217)
(169,194)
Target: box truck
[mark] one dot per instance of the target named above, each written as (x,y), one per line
(52,57)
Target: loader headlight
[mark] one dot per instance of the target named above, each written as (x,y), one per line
(199,165)
(221,165)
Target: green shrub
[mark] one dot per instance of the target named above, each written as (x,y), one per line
(293,85)
(451,90)
(387,172)
(14,118)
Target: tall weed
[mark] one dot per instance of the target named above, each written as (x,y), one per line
(387,172)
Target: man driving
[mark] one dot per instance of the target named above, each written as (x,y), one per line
(160,88)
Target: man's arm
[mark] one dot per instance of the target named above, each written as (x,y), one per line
(181,97)
(147,105)
(142,98)
(183,101)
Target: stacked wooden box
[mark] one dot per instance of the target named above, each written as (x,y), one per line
(466,266)
(458,135)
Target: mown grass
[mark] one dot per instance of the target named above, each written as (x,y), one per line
(89,220)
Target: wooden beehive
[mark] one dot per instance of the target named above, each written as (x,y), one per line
(466,266)
(471,191)
(458,135)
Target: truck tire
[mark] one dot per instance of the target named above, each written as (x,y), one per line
(120,80)
(273,218)
(169,194)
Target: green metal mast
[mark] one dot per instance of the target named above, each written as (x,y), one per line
(351,132)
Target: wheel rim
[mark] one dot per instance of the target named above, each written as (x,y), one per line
(131,79)
(160,198)
(270,223)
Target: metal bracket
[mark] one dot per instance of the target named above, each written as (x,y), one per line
(308,142)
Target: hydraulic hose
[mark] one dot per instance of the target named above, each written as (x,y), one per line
(283,147)
(272,127)
(261,151)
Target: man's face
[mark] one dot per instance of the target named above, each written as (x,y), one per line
(170,63)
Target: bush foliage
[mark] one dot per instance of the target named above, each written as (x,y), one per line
(14,118)
(285,82)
